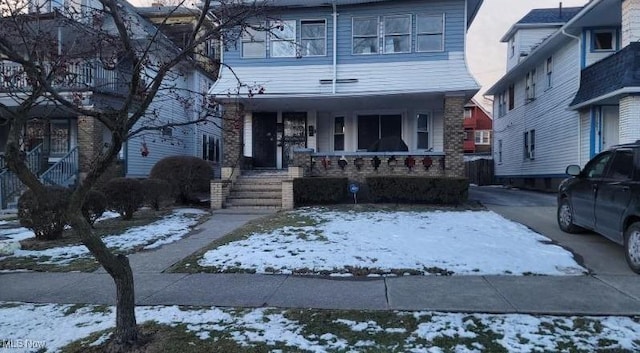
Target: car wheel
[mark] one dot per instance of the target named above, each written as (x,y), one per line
(632,246)
(565,217)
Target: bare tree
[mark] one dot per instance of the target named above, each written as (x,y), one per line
(102,60)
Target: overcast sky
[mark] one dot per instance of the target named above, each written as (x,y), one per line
(486,55)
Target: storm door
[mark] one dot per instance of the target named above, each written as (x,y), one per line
(294,136)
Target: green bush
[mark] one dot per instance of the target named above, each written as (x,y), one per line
(430,190)
(316,190)
(124,195)
(45,216)
(156,192)
(187,176)
(94,205)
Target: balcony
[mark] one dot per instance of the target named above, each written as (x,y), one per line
(80,76)
(614,73)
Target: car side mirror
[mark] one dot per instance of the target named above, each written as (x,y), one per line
(573,170)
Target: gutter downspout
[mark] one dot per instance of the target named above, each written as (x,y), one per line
(564,31)
(335,48)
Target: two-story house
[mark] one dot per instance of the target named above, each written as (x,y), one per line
(60,145)
(569,92)
(339,78)
(477,129)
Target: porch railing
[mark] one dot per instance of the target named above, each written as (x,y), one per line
(64,172)
(10,184)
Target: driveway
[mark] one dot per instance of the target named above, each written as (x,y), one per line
(538,211)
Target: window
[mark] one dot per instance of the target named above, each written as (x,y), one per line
(467,113)
(602,40)
(512,47)
(338,134)
(371,128)
(530,85)
(210,148)
(283,39)
(210,48)
(512,93)
(499,151)
(423,131)
(549,71)
(397,34)
(469,135)
(483,137)
(313,38)
(621,167)
(430,33)
(502,104)
(529,144)
(254,44)
(365,35)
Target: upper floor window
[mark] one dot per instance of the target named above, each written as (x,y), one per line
(467,113)
(602,40)
(397,34)
(283,39)
(502,104)
(365,35)
(483,137)
(254,43)
(549,68)
(313,37)
(530,88)
(512,47)
(529,144)
(430,33)
(512,96)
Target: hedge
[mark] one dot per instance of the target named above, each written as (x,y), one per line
(46,216)
(427,190)
(319,190)
(187,175)
(124,195)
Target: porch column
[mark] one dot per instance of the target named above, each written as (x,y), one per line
(630,29)
(90,143)
(629,123)
(454,135)
(232,131)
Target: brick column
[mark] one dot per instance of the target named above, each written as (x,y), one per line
(454,135)
(217,195)
(629,123)
(90,142)
(630,28)
(287,195)
(232,131)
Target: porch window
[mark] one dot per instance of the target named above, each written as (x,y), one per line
(338,134)
(254,43)
(397,34)
(283,39)
(430,33)
(313,37)
(59,137)
(365,35)
(371,128)
(424,120)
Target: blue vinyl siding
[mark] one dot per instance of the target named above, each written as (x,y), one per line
(454,32)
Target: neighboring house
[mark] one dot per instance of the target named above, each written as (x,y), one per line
(315,82)
(57,141)
(477,129)
(570,90)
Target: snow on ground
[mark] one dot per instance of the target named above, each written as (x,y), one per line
(463,242)
(164,231)
(55,325)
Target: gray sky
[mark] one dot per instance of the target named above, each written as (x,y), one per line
(486,55)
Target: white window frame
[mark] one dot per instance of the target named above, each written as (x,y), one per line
(502,104)
(376,36)
(303,49)
(468,113)
(428,131)
(338,133)
(549,70)
(500,151)
(482,137)
(594,33)
(529,144)
(255,36)
(530,85)
(386,35)
(277,36)
(428,33)
(512,47)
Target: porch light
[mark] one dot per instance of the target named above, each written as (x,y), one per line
(342,162)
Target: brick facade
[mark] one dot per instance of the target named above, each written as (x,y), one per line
(90,143)
(454,135)
(232,137)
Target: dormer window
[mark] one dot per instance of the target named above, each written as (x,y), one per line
(603,40)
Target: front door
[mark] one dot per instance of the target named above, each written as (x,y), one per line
(610,123)
(294,136)
(264,140)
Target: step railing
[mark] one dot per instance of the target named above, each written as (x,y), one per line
(10,184)
(64,172)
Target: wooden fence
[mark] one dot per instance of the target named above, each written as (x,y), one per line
(479,171)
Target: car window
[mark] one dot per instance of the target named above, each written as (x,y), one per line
(621,166)
(596,167)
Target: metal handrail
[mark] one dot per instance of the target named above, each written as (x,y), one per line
(63,171)
(10,184)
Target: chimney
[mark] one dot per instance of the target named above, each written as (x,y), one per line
(560,11)
(630,22)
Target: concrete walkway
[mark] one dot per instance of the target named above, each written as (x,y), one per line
(567,295)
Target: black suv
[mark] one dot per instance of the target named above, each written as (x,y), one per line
(605,198)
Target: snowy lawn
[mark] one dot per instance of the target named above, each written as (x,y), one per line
(168,229)
(332,242)
(185,330)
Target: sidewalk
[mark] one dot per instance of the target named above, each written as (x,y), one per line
(565,295)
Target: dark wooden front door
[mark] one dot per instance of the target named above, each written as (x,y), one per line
(264,140)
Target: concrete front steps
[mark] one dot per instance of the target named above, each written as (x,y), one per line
(257,189)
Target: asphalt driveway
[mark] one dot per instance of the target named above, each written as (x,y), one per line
(538,211)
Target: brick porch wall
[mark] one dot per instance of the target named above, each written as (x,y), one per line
(90,142)
(454,135)
(232,121)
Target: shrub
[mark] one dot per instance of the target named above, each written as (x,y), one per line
(187,176)
(45,216)
(155,192)
(124,195)
(94,205)
(432,190)
(316,190)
